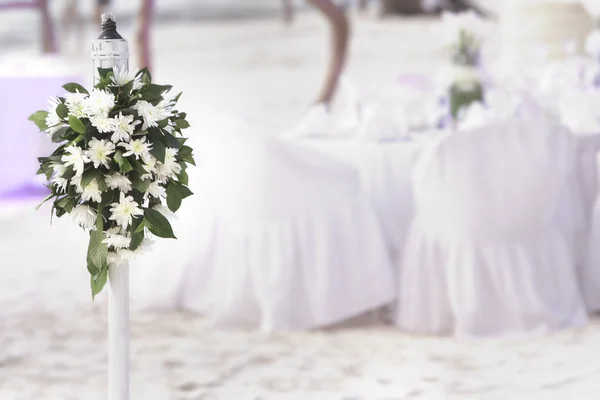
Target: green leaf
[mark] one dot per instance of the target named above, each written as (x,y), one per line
(176,98)
(59,135)
(123,162)
(183,177)
(146,76)
(98,281)
(97,254)
(164,122)
(105,73)
(126,88)
(75,88)
(76,124)
(39,118)
(136,240)
(171,141)
(67,203)
(90,133)
(173,197)
(137,167)
(158,224)
(158,150)
(140,185)
(87,177)
(62,111)
(185,192)
(153,92)
(44,201)
(182,123)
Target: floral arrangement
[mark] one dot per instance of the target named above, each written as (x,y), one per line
(121,157)
(463,35)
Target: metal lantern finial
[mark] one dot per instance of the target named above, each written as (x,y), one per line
(109,49)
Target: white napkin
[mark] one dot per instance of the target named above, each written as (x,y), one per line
(378,124)
(317,122)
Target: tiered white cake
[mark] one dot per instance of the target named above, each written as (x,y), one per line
(532,27)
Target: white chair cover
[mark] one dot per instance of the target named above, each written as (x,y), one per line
(485,255)
(590,274)
(284,240)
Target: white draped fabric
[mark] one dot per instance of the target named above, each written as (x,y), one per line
(285,239)
(486,254)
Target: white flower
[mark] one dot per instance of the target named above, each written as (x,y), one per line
(149,113)
(118,181)
(57,176)
(99,102)
(170,215)
(149,163)
(84,216)
(99,151)
(137,147)
(170,167)
(102,123)
(76,104)
(123,127)
(155,190)
(91,191)
(120,257)
(124,211)
(592,44)
(75,158)
(121,77)
(165,108)
(53,121)
(116,240)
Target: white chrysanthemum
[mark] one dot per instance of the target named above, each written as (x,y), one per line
(124,211)
(123,127)
(85,217)
(102,123)
(170,215)
(99,152)
(53,121)
(138,148)
(75,157)
(116,240)
(149,163)
(99,102)
(592,44)
(165,108)
(91,192)
(118,181)
(120,257)
(170,167)
(121,77)
(76,104)
(57,176)
(150,114)
(155,190)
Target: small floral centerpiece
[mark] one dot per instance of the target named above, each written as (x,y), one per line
(463,37)
(121,157)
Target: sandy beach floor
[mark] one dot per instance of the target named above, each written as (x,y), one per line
(53,338)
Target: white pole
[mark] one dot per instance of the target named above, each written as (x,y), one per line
(110,50)
(118,333)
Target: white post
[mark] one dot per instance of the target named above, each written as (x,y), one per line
(118,333)
(111,50)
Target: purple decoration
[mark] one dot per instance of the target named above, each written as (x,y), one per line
(20,140)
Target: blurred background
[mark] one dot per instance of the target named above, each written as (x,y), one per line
(237,60)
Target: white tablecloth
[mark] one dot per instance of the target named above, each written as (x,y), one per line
(386,168)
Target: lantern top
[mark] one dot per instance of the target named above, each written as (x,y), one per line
(109,28)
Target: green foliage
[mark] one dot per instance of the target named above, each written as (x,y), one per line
(39,118)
